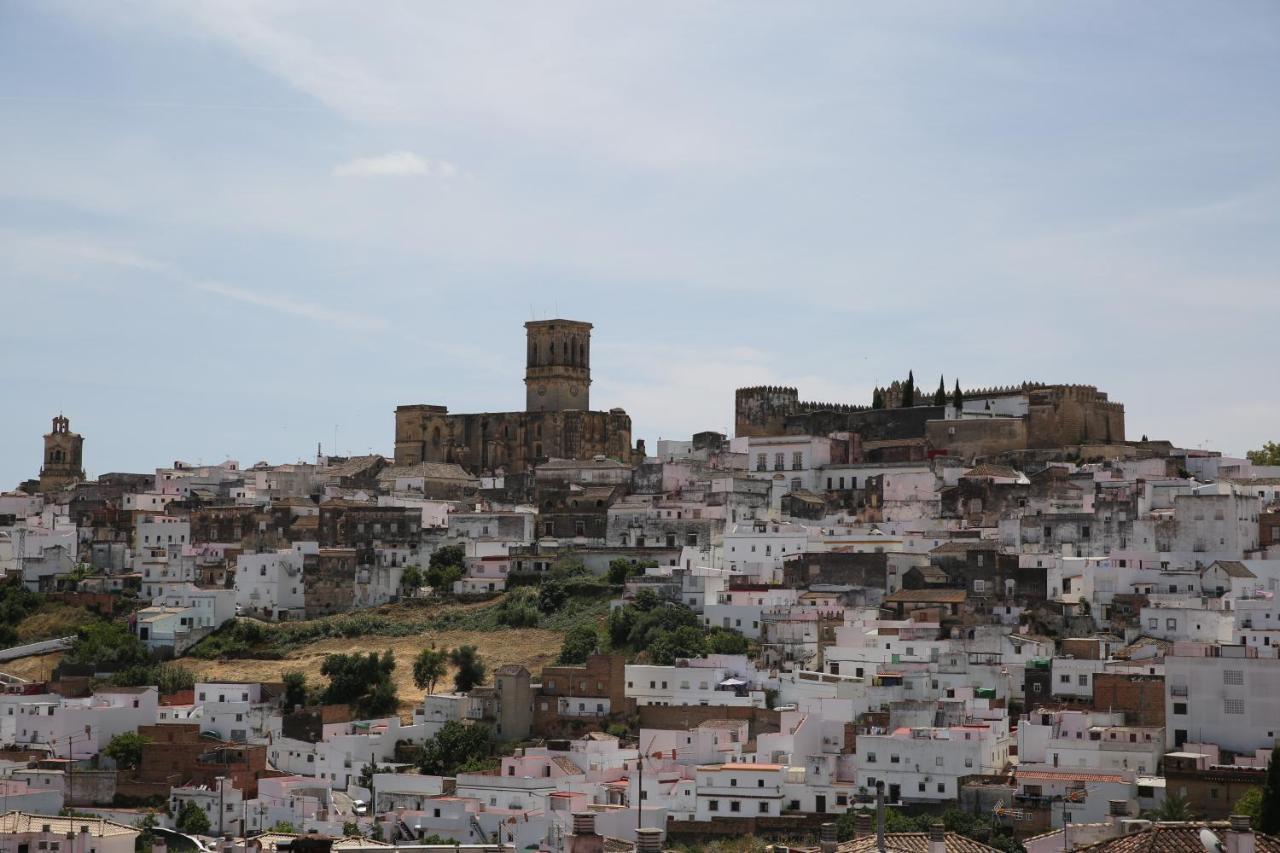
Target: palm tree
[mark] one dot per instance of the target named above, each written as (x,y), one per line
(1174,808)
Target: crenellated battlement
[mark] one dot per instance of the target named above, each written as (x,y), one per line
(767,389)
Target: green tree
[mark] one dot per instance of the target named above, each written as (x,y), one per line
(620,569)
(283,826)
(1174,808)
(957,399)
(909,391)
(518,610)
(1269,454)
(1269,807)
(147,836)
(877,402)
(940,396)
(125,749)
(361,681)
(552,596)
(723,641)
(350,829)
(169,678)
(428,668)
(580,643)
(683,642)
(567,567)
(469,669)
(411,578)
(1250,804)
(108,647)
(455,748)
(295,689)
(192,819)
(445,567)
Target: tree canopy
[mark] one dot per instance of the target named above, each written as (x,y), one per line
(428,668)
(1268,454)
(361,681)
(469,668)
(456,748)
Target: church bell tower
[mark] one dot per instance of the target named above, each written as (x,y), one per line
(557,372)
(63,457)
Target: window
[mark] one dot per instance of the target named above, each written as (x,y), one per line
(1233,676)
(871,758)
(1180,708)
(735,806)
(979,585)
(937,761)
(1233,706)
(733,783)
(759,783)
(779,461)
(764,808)
(762,462)
(797,461)
(1064,678)
(1082,680)
(1171,624)
(942,787)
(1153,623)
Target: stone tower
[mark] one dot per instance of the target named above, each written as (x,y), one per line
(557,374)
(63,457)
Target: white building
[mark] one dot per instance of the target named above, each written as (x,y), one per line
(1221,695)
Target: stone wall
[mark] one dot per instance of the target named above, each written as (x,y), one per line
(512,441)
(978,437)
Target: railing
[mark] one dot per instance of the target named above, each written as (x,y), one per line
(1178,690)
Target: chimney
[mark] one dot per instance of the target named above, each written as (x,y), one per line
(937,838)
(880,817)
(862,824)
(1240,835)
(828,842)
(584,823)
(648,840)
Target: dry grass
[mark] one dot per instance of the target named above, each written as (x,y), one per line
(532,647)
(52,619)
(33,668)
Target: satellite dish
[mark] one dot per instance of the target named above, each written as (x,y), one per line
(1210,841)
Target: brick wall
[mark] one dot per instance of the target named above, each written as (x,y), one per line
(1141,697)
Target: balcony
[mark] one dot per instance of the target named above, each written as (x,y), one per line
(1179,690)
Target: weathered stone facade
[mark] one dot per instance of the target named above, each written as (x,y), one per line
(556,423)
(63,457)
(1056,416)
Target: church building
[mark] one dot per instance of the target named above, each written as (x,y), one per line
(557,422)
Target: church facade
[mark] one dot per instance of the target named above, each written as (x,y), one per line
(557,421)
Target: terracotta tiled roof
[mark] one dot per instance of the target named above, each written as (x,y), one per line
(15,822)
(987,470)
(928,596)
(913,842)
(1233,568)
(1176,838)
(1069,776)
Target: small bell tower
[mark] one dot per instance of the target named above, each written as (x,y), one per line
(557,373)
(63,457)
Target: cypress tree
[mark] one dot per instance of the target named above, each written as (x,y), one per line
(877,399)
(956,399)
(909,391)
(1269,812)
(940,396)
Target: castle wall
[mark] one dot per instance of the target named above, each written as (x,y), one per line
(763,410)
(1065,415)
(977,437)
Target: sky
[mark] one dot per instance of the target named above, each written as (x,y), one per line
(239,229)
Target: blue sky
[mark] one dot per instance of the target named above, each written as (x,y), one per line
(227,228)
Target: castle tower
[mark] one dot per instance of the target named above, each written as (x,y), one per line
(557,374)
(63,457)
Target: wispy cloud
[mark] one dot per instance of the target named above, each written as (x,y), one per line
(397,164)
(297,307)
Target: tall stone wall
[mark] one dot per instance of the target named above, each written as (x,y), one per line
(1066,415)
